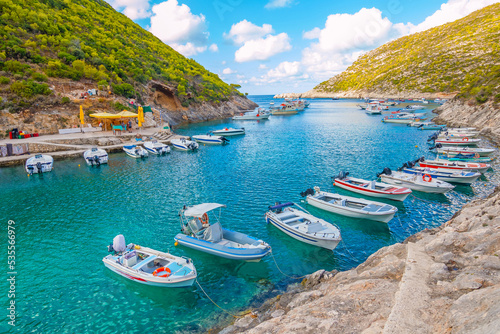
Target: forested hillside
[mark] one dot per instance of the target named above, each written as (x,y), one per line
(459,57)
(88,40)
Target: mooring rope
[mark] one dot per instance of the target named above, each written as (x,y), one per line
(348,251)
(226,311)
(430,202)
(276,263)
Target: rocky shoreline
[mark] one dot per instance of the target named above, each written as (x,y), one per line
(359,94)
(441,280)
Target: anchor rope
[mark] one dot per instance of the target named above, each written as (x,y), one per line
(348,251)
(226,311)
(276,263)
(430,202)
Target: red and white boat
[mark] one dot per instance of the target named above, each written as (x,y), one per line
(454,141)
(371,188)
(454,165)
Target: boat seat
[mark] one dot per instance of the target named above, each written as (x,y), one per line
(285,215)
(372,208)
(145,261)
(315,227)
(291,220)
(342,202)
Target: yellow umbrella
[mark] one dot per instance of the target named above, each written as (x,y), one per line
(140,116)
(127,114)
(81,115)
(104,115)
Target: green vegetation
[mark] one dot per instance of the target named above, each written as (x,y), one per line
(458,57)
(65,100)
(88,39)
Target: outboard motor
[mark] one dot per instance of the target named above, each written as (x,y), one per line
(432,137)
(307,192)
(342,175)
(97,160)
(39,167)
(386,171)
(438,145)
(192,146)
(31,169)
(224,140)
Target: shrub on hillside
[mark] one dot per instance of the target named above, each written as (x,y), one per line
(28,89)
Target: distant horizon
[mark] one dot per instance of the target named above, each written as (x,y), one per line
(251,44)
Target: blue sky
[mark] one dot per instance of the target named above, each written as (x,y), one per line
(278,46)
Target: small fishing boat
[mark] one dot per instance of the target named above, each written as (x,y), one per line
(135,151)
(148,266)
(454,165)
(350,206)
(462,129)
(454,141)
(95,156)
(301,225)
(211,139)
(419,182)
(414,107)
(260,114)
(226,132)
(455,150)
(462,177)
(155,147)
(469,157)
(430,126)
(450,134)
(374,109)
(184,144)
(40,163)
(207,235)
(402,118)
(371,188)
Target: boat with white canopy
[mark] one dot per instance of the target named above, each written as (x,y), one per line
(301,225)
(40,163)
(206,234)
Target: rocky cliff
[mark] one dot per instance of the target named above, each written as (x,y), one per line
(444,280)
(461,112)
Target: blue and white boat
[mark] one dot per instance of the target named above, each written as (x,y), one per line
(135,151)
(40,163)
(148,266)
(462,177)
(301,225)
(95,156)
(155,147)
(211,139)
(184,144)
(207,235)
(226,132)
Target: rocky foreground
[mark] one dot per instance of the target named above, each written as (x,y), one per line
(444,280)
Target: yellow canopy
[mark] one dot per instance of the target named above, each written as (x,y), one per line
(127,114)
(140,116)
(81,115)
(105,115)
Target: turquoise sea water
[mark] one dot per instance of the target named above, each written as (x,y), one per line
(65,219)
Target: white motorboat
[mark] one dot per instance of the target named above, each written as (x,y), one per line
(350,206)
(226,132)
(457,141)
(184,144)
(414,107)
(456,150)
(451,134)
(462,177)
(287,109)
(148,266)
(211,139)
(370,188)
(462,129)
(402,118)
(155,147)
(374,109)
(40,163)
(95,156)
(135,151)
(260,114)
(448,165)
(419,182)
(301,225)
(207,235)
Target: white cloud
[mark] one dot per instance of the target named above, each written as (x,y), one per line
(134,9)
(175,25)
(240,76)
(312,34)
(451,11)
(244,31)
(285,71)
(228,71)
(213,48)
(278,3)
(263,48)
(223,62)
(262,66)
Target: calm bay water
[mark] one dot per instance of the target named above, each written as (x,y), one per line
(65,219)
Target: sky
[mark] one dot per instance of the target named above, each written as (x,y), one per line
(286,46)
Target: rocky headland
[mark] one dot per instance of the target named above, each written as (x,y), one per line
(441,280)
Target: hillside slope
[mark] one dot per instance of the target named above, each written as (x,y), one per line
(52,50)
(461,57)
